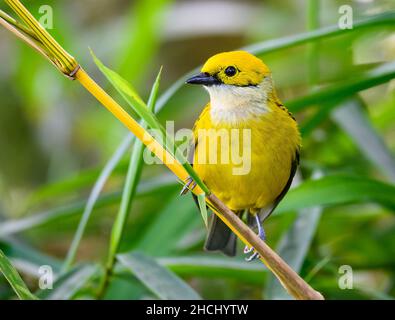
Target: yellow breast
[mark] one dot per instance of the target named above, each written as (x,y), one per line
(246,163)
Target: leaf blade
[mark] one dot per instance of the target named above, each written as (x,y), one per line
(338,189)
(164,283)
(14,279)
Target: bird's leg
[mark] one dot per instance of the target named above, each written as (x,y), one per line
(261,234)
(189,185)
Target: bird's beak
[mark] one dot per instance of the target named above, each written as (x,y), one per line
(204,79)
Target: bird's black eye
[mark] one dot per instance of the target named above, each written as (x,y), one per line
(230,71)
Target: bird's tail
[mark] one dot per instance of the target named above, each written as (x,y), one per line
(220,237)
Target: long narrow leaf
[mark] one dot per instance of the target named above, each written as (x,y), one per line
(132,180)
(354,121)
(338,189)
(205,266)
(343,89)
(216,267)
(20,252)
(203,208)
(14,279)
(167,182)
(69,283)
(93,198)
(129,94)
(164,283)
(167,229)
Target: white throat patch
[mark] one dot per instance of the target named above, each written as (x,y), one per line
(233,104)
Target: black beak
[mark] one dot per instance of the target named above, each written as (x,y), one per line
(204,79)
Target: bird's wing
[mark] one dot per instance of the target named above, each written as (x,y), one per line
(265,212)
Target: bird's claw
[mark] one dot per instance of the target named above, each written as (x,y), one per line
(189,185)
(252,257)
(247,249)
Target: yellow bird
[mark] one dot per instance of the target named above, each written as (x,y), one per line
(243,100)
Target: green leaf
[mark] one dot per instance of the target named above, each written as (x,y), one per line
(338,189)
(93,199)
(350,116)
(132,180)
(215,267)
(343,89)
(144,22)
(162,282)
(129,94)
(69,283)
(164,232)
(385,20)
(204,266)
(67,186)
(203,207)
(14,279)
(38,219)
(27,258)
(315,120)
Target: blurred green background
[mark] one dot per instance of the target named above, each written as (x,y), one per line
(55,140)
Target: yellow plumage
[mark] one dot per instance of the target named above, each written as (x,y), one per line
(274,142)
(242,97)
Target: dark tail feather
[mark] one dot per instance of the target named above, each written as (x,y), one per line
(220,237)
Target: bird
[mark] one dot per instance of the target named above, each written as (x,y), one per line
(243,99)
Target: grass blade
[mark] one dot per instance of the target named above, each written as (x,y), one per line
(129,94)
(145,19)
(20,252)
(170,226)
(215,267)
(132,180)
(354,121)
(380,20)
(338,189)
(340,90)
(162,282)
(203,207)
(206,266)
(93,198)
(69,283)
(14,279)
(129,191)
(167,182)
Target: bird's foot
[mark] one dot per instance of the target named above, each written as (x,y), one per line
(189,185)
(247,249)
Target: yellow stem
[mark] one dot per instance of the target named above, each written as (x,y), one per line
(133,126)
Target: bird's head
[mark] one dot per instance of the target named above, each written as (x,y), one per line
(236,68)
(239,84)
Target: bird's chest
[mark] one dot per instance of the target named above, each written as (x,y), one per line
(244,163)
